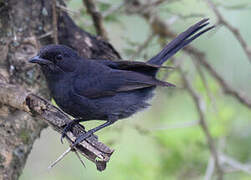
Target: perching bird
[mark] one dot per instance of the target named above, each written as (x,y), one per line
(102,89)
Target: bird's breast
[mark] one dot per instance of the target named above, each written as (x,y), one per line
(60,91)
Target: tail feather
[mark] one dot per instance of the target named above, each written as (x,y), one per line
(179,42)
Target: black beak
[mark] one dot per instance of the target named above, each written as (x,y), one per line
(39,60)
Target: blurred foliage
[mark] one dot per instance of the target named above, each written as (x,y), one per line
(162,152)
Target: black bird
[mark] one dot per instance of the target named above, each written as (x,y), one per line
(103,89)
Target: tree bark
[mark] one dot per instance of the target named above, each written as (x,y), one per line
(25,26)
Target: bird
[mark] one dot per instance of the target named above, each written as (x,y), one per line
(102,89)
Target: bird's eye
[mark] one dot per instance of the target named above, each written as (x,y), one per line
(59,57)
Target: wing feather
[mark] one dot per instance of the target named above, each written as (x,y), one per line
(108,84)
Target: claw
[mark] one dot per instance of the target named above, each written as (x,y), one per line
(81,138)
(67,128)
(62,137)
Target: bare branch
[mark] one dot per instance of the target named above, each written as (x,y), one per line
(210,169)
(96,18)
(60,158)
(177,125)
(200,108)
(67,10)
(233,29)
(241,6)
(205,83)
(200,57)
(81,160)
(235,164)
(55,21)
(145,131)
(49,33)
(113,9)
(141,47)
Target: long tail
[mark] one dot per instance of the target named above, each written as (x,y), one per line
(179,42)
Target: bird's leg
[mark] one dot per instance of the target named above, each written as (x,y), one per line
(83,136)
(69,126)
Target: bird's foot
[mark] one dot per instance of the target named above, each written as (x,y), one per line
(82,137)
(68,127)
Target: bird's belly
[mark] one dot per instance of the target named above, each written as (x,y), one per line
(121,105)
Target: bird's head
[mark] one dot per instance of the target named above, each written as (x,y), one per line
(56,59)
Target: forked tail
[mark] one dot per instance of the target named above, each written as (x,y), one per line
(181,41)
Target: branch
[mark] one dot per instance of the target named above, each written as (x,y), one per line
(235,165)
(19,98)
(233,29)
(55,21)
(113,9)
(202,121)
(97,18)
(205,83)
(210,169)
(141,47)
(67,10)
(177,125)
(200,57)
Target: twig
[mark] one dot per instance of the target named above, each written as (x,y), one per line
(184,16)
(241,6)
(233,29)
(60,158)
(235,164)
(82,162)
(210,169)
(96,18)
(65,9)
(205,83)
(63,155)
(141,47)
(200,108)
(146,131)
(49,33)
(200,57)
(55,21)
(113,9)
(177,125)
(137,6)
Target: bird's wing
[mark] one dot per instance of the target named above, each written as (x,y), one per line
(112,82)
(141,67)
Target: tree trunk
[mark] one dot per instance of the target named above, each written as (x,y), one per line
(25,26)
